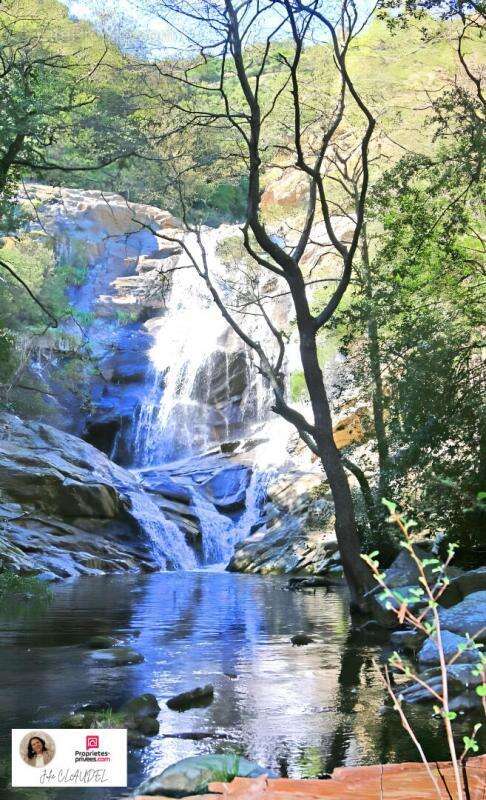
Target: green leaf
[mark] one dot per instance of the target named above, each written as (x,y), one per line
(481,690)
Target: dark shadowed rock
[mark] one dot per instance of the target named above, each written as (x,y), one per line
(405,639)
(403,572)
(149,726)
(136,740)
(145,705)
(201,695)
(474,580)
(102,642)
(301,639)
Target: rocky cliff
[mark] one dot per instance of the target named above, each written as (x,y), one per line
(155,377)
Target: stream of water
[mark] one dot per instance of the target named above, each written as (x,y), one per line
(298,711)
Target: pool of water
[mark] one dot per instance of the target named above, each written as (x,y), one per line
(299,711)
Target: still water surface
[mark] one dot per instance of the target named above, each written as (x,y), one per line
(300,711)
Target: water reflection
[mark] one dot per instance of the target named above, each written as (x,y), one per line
(300,711)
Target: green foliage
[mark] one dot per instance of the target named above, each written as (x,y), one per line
(422,287)
(298,388)
(418,608)
(33,260)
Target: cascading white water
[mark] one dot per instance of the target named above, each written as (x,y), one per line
(169,548)
(189,408)
(178,420)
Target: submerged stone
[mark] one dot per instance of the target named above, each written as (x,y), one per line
(201,695)
(117,657)
(102,642)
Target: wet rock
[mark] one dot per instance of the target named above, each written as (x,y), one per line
(48,577)
(117,657)
(199,696)
(149,726)
(469,701)
(468,616)
(138,708)
(296,584)
(474,580)
(68,510)
(92,707)
(409,640)
(301,639)
(371,631)
(136,740)
(460,680)
(192,775)
(102,642)
(227,489)
(77,721)
(429,653)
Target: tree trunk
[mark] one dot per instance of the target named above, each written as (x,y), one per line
(375,369)
(356,572)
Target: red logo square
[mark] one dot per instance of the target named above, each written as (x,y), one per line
(92,742)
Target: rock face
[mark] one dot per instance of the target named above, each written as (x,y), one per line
(112,248)
(297,534)
(65,507)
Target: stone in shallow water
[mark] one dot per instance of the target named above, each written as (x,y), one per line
(102,642)
(149,726)
(117,656)
(201,695)
(300,639)
(145,705)
(192,775)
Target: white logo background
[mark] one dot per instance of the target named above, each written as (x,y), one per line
(68,767)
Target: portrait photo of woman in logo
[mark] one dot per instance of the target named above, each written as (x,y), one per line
(37,749)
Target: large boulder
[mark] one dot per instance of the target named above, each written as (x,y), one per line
(192,775)
(474,580)
(451,642)
(404,572)
(469,616)
(67,509)
(227,488)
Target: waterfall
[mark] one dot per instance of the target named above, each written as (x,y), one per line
(173,422)
(169,548)
(203,390)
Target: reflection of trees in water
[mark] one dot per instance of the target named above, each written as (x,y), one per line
(368,719)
